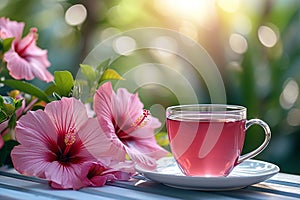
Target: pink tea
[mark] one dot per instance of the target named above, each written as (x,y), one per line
(206,146)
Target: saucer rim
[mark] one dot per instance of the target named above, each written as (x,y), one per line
(210,183)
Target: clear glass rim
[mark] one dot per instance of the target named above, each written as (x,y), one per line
(210,109)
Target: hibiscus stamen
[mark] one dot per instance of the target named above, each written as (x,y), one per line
(142,119)
(70,139)
(139,122)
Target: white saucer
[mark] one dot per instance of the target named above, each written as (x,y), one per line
(247,173)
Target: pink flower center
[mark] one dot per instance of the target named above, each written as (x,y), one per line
(32,38)
(66,151)
(96,170)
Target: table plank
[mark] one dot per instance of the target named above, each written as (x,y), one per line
(26,187)
(251,192)
(31,186)
(15,186)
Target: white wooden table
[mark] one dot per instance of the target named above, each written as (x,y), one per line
(15,186)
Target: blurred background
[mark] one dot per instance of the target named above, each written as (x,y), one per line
(254,44)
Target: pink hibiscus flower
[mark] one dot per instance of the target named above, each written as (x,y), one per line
(24,60)
(55,143)
(10,29)
(123,120)
(97,173)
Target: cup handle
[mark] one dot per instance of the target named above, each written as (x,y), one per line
(262,146)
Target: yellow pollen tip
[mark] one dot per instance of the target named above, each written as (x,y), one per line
(70,137)
(142,119)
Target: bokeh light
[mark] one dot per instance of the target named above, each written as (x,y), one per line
(238,43)
(76,15)
(124,45)
(289,94)
(293,117)
(267,36)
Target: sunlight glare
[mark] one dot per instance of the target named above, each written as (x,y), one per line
(196,10)
(189,29)
(242,24)
(229,5)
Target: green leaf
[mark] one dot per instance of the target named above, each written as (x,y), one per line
(7,104)
(88,72)
(18,103)
(12,121)
(27,88)
(64,83)
(3,116)
(7,44)
(110,74)
(49,91)
(103,65)
(7,100)
(76,91)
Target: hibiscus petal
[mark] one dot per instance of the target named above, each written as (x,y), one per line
(35,128)
(17,66)
(147,147)
(97,174)
(29,161)
(98,181)
(103,100)
(64,177)
(130,102)
(1,142)
(141,159)
(68,113)
(39,71)
(96,142)
(121,176)
(124,108)
(102,106)
(126,166)
(11,28)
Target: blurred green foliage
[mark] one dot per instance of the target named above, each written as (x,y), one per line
(264,79)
